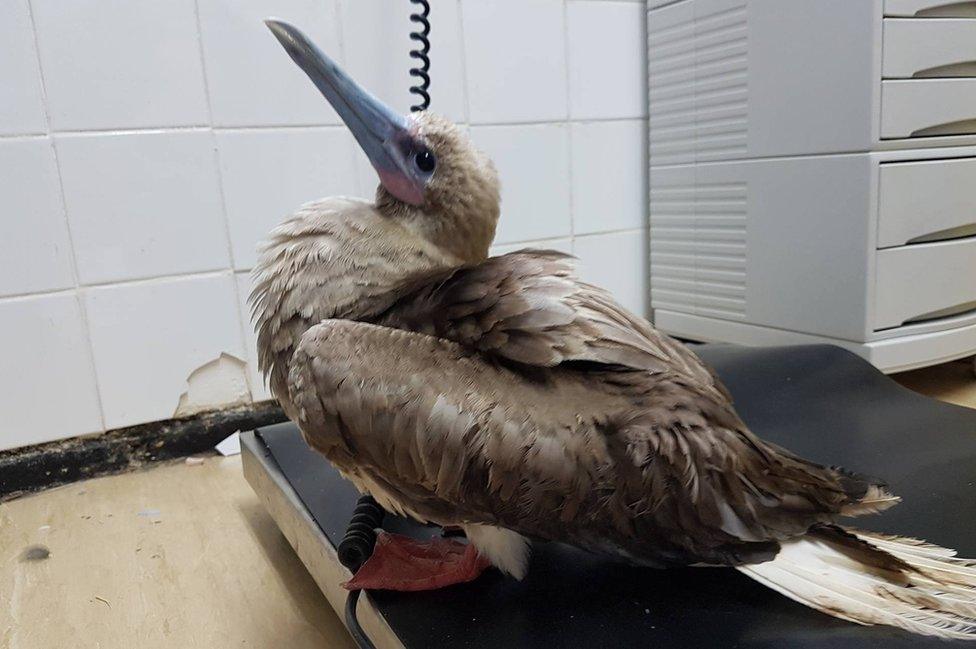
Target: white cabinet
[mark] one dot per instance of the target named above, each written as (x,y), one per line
(813,174)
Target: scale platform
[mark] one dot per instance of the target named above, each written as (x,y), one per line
(820,401)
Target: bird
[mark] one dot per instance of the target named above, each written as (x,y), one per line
(505,396)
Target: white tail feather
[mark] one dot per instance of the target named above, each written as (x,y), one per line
(876,500)
(936,596)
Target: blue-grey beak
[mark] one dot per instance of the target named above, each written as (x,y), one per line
(384,135)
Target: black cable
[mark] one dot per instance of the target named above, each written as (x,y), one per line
(421,53)
(356,546)
(352,622)
(360,537)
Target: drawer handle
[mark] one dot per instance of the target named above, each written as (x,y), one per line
(959,69)
(967,308)
(949,10)
(957,232)
(961,127)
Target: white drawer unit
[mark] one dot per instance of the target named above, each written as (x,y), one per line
(732,79)
(813,174)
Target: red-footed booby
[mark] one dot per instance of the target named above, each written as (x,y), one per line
(505,396)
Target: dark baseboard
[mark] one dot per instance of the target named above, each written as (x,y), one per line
(29,469)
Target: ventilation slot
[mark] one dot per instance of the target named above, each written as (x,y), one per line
(698,249)
(697,84)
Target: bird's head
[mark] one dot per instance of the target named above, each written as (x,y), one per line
(432,177)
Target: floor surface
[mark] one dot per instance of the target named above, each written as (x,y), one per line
(178,555)
(183,555)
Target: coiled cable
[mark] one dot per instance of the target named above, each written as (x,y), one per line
(356,546)
(421,52)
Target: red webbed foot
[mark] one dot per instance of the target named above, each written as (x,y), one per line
(402,563)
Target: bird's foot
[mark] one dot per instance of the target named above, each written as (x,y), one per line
(402,563)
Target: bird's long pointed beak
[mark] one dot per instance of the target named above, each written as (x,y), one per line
(384,135)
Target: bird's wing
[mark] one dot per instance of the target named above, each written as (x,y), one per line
(648,466)
(530,307)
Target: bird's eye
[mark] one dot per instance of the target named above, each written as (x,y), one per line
(425,161)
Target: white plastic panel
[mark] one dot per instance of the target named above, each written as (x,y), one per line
(732,79)
(916,281)
(762,241)
(920,47)
(925,200)
(930,8)
(928,107)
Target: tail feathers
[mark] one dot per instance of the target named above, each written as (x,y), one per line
(875,500)
(870,578)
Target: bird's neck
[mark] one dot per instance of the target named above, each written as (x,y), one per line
(464,229)
(337,258)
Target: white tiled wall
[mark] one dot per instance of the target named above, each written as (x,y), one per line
(146,147)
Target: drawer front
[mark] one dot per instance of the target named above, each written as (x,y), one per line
(930,8)
(928,200)
(927,107)
(925,281)
(919,48)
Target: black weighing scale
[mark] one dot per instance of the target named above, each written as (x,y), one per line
(820,401)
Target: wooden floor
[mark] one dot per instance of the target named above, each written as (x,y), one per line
(183,555)
(952,382)
(174,556)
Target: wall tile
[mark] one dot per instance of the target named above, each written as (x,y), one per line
(35,251)
(148,337)
(21,101)
(607,60)
(143,205)
(268,174)
(533,163)
(259,390)
(609,163)
(48,390)
(251,79)
(516,61)
(120,63)
(159,204)
(382,62)
(617,262)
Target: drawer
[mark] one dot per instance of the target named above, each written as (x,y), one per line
(930,8)
(924,281)
(927,107)
(917,47)
(928,200)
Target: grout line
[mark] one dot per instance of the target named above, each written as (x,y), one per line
(23,136)
(530,242)
(213,136)
(63,202)
(350,150)
(223,203)
(601,233)
(569,129)
(465,99)
(159,279)
(578,120)
(565,237)
(55,292)
(285,127)
(277,127)
(142,130)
